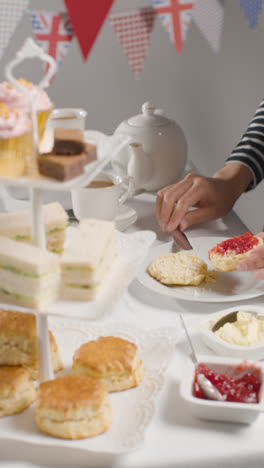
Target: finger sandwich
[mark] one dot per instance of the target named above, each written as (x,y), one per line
(17,226)
(29,276)
(88,259)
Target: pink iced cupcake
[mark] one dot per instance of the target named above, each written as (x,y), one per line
(14,98)
(15,141)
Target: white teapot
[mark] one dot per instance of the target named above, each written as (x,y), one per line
(156,153)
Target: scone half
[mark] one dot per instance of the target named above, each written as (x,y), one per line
(226,255)
(73,407)
(17,390)
(111,359)
(179,268)
(19,342)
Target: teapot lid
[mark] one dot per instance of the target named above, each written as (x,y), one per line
(150,117)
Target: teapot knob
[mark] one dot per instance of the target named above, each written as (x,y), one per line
(148,109)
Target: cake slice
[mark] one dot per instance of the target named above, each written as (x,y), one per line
(60,167)
(19,342)
(87,259)
(17,226)
(29,276)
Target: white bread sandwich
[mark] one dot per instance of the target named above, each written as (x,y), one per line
(87,260)
(29,276)
(17,226)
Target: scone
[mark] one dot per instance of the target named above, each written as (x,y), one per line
(113,360)
(179,268)
(17,390)
(73,407)
(226,255)
(19,342)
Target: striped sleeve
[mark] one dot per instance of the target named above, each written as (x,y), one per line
(250,149)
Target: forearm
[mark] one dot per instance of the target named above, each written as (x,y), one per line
(239,176)
(250,149)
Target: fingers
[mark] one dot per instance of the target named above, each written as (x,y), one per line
(183,217)
(197,216)
(167,197)
(254,261)
(260,234)
(181,240)
(259,274)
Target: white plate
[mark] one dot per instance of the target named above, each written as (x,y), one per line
(132,409)
(223,348)
(132,249)
(126,217)
(231,286)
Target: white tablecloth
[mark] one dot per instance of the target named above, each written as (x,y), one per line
(174,438)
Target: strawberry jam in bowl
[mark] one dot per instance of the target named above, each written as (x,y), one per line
(239,384)
(239,381)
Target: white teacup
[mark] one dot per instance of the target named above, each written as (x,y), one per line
(68,118)
(102,198)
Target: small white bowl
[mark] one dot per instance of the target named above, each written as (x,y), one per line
(223,348)
(245,413)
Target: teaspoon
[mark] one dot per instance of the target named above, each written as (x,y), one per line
(231,318)
(206,386)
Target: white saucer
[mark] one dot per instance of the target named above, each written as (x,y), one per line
(126,217)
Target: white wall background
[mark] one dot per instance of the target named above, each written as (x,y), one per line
(212,96)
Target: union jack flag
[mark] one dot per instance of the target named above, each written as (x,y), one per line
(53,32)
(175,16)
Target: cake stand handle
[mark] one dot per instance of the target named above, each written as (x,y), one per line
(44,353)
(31,50)
(37,218)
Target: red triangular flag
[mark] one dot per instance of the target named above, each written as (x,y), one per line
(87,18)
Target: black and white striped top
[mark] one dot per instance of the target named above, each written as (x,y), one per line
(250,149)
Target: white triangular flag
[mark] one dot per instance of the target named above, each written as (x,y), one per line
(11,12)
(208,15)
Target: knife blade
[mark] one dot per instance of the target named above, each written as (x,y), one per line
(181,239)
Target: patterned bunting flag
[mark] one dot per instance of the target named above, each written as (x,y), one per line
(133,29)
(53,32)
(208,15)
(11,12)
(175,16)
(252,10)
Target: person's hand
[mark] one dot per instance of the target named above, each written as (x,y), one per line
(255,261)
(212,198)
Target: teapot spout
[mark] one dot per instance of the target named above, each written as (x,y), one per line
(140,165)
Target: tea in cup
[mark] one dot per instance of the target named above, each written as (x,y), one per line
(102,198)
(68,118)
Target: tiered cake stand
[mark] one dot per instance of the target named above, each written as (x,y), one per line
(106,148)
